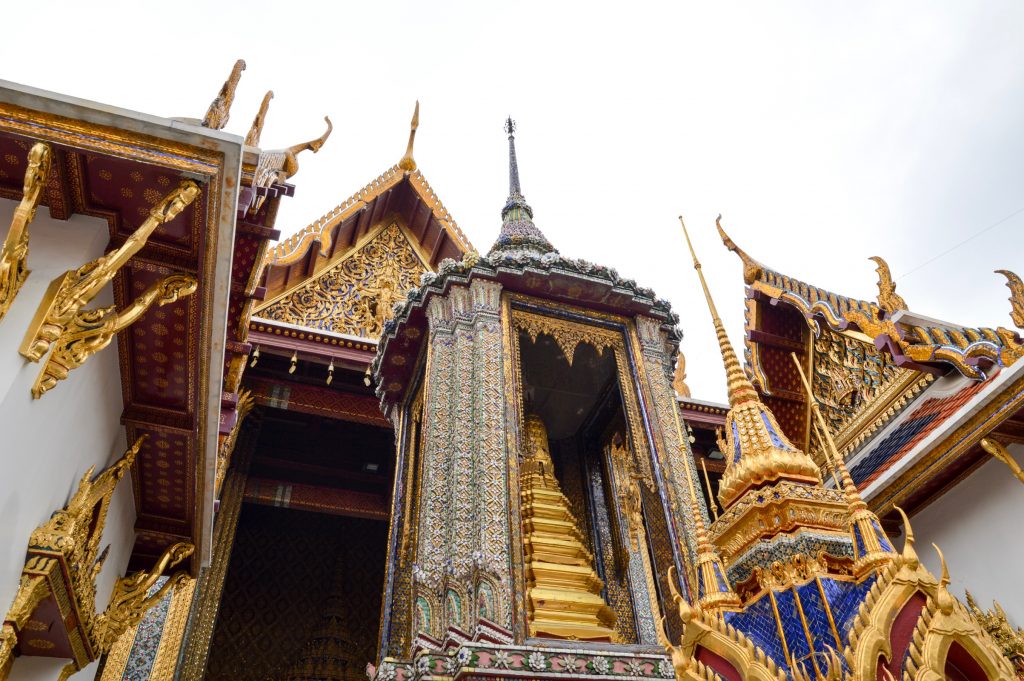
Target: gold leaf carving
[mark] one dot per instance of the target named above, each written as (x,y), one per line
(356,295)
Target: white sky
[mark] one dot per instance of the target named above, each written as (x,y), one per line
(823,132)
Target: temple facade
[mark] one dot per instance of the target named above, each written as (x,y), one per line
(370,450)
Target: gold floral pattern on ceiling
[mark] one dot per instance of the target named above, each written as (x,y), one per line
(356,295)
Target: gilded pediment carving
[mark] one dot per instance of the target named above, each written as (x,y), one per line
(357,294)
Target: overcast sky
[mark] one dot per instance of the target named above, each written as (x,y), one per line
(825,133)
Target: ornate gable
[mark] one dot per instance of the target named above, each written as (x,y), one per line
(355,294)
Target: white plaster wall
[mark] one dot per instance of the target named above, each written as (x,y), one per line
(47,445)
(979,525)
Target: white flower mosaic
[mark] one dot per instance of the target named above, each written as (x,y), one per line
(537,662)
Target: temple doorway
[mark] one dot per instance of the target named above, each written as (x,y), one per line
(301,597)
(580,405)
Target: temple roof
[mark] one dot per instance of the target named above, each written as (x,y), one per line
(914,341)
(397,192)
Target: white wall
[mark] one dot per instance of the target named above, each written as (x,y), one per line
(47,445)
(978,525)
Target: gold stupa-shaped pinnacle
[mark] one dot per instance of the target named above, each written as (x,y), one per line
(757,450)
(564,593)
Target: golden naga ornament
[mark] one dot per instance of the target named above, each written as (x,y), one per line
(279,165)
(74,289)
(92,330)
(14,255)
(62,563)
(999,451)
(888,299)
(252,139)
(564,593)
(217,115)
(1016,286)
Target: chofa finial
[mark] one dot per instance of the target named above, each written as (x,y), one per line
(888,299)
(252,139)
(1016,286)
(408,163)
(217,115)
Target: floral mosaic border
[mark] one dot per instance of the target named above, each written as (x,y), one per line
(497,661)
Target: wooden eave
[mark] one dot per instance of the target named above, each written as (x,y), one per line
(114,165)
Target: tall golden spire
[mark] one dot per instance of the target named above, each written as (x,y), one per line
(740,388)
(759,451)
(408,163)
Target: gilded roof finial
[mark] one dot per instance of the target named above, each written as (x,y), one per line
(517,229)
(217,115)
(909,555)
(757,450)
(1016,286)
(253,138)
(751,268)
(888,299)
(408,163)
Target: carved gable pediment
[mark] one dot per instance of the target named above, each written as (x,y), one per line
(356,294)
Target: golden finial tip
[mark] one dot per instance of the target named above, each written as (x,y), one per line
(408,163)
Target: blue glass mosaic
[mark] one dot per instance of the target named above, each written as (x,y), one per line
(845,598)
(882,539)
(888,447)
(796,639)
(736,443)
(757,623)
(776,440)
(817,621)
(858,550)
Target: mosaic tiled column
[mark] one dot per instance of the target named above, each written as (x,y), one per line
(492,583)
(675,453)
(149,650)
(462,567)
(429,572)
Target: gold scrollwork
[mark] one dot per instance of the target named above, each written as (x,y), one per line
(355,295)
(13,257)
(74,289)
(89,331)
(567,335)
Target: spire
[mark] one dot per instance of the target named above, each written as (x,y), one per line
(518,233)
(758,451)
(408,163)
(740,388)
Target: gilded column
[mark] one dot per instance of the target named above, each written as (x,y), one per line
(493,587)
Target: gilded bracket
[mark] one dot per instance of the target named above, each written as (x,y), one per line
(54,610)
(89,331)
(55,601)
(74,289)
(14,255)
